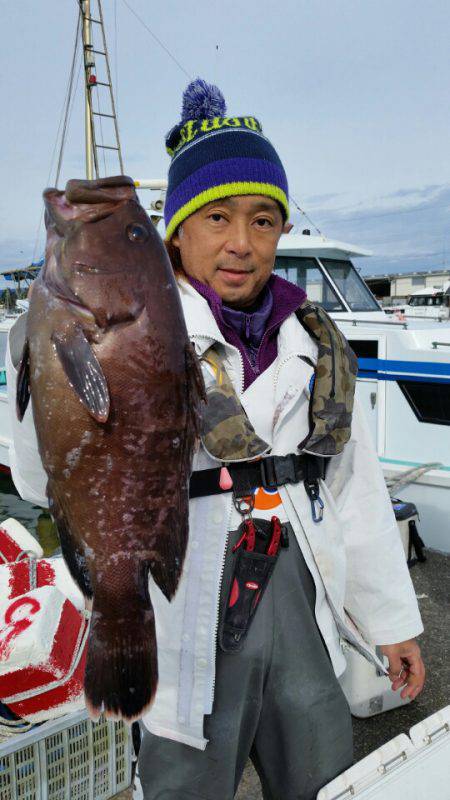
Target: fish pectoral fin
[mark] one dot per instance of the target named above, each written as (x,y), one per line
(83,371)
(23,382)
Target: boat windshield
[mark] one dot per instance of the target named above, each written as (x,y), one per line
(305,272)
(350,285)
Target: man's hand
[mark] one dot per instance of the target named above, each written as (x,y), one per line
(406,667)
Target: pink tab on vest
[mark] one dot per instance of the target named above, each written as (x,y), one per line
(225,480)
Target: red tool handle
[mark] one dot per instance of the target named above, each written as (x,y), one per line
(274,545)
(248,536)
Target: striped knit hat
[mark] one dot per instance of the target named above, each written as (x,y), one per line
(215,156)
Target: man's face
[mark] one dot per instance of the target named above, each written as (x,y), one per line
(230,245)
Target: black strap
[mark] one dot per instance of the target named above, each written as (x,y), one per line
(269,472)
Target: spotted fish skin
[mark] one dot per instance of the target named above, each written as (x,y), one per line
(116,395)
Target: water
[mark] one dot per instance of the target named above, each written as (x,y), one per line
(34,518)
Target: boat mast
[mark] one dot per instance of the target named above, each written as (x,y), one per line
(100,109)
(88,64)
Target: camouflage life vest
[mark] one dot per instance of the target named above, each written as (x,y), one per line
(333,393)
(226,431)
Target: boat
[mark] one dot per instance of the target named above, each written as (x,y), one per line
(431,302)
(404,375)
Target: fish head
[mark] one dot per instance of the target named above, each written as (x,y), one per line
(104,255)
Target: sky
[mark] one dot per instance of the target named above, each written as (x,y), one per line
(354,94)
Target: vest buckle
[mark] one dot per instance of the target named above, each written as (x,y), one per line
(278,470)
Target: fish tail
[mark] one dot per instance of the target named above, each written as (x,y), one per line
(121,667)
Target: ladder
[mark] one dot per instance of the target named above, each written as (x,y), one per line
(100,110)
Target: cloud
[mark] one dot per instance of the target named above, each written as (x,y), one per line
(424,191)
(320,199)
(403,228)
(407,229)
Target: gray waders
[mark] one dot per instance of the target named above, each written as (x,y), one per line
(277,701)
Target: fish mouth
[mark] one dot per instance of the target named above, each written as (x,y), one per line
(96,269)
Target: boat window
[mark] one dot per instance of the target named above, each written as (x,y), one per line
(429,401)
(364,348)
(426,300)
(305,272)
(351,285)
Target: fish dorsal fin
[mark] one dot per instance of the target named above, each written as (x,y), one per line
(83,371)
(226,431)
(23,382)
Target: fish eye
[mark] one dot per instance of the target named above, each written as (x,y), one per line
(137,233)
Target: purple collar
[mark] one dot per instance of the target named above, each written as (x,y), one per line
(278,300)
(250,324)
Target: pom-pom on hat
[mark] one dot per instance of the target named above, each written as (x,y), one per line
(215,156)
(202,100)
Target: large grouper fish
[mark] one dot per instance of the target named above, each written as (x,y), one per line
(116,395)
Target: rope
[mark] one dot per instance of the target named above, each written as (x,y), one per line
(13,727)
(401,479)
(305,215)
(79,648)
(32,566)
(37,237)
(68,100)
(154,36)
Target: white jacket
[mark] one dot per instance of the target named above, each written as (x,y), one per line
(364,592)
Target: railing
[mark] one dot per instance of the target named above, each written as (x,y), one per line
(427,316)
(372,322)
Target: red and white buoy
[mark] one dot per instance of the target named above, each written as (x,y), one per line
(43,630)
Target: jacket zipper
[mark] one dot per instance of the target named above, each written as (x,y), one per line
(227,532)
(236,349)
(217,614)
(224,556)
(266,334)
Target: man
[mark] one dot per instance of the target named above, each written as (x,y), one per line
(277,699)
(262,684)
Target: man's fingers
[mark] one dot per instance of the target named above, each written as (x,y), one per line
(395,666)
(415,679)
(399,679)
(406,668)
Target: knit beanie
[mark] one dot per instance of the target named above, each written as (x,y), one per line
(215,156)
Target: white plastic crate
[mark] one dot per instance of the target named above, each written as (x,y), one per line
(416,767)
(70,758)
